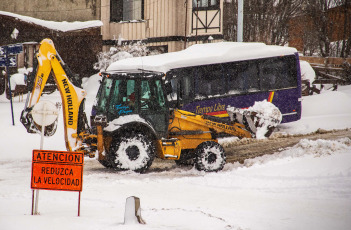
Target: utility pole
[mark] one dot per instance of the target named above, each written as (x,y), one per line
(186,22)
(197,18)
(240,20)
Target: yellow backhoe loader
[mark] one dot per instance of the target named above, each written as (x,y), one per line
(131,122)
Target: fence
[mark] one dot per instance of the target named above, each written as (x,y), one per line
(329,71)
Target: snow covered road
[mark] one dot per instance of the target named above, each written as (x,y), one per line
(307,186)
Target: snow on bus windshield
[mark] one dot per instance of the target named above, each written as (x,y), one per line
(202,54)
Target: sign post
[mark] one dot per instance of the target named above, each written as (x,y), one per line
(8,59)
(57,170)
(53,170)
(44,113)
(240,20)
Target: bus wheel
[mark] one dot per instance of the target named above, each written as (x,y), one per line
(133,152)
(210,157)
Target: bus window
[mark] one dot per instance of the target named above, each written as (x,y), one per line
(210,81)
(276,73)
(182,78)
(161,103)
(242,77)
(172,96)
(187,85)
(231,70)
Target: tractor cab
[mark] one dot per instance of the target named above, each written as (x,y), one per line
(134,93)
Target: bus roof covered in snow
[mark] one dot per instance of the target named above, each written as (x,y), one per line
(202,54)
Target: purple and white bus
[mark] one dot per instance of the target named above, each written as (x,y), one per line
(207,78)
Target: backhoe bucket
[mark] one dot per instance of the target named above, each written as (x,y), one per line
(33,127)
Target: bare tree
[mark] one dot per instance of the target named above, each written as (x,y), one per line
(322,28)
(264,20)
(346,43)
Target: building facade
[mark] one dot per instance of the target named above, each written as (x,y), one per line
(167,25)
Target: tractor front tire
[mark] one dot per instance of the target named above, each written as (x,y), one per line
(133,152)
(105,163)
(210,157)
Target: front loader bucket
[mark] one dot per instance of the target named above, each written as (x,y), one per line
(260,119)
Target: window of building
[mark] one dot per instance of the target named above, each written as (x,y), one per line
(126,10)
(205,3)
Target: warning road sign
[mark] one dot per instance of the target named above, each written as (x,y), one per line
(57,170)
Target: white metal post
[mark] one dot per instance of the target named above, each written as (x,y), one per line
(240,20)
(44,114)
(36,197)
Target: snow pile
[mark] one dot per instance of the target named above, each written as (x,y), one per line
(320,148)
(265,116)
(60,26)
(105,59)
(313,148)
(91,85)
(19,78)
(268,115)
(120,121)
(328,110)
(307,72)
(16,79)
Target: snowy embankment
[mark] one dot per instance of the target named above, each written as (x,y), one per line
(328,110)
(307,186)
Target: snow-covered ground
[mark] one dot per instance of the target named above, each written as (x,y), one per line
(307,186)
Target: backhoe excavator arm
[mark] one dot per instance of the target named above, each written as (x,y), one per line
(72,96)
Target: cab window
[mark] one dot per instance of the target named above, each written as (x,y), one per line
(152,97)
(104,94)
(123,98)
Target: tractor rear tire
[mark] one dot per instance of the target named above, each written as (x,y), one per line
(133,152)
(210,157)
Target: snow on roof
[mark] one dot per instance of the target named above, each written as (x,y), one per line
(60,26)
(202,54)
